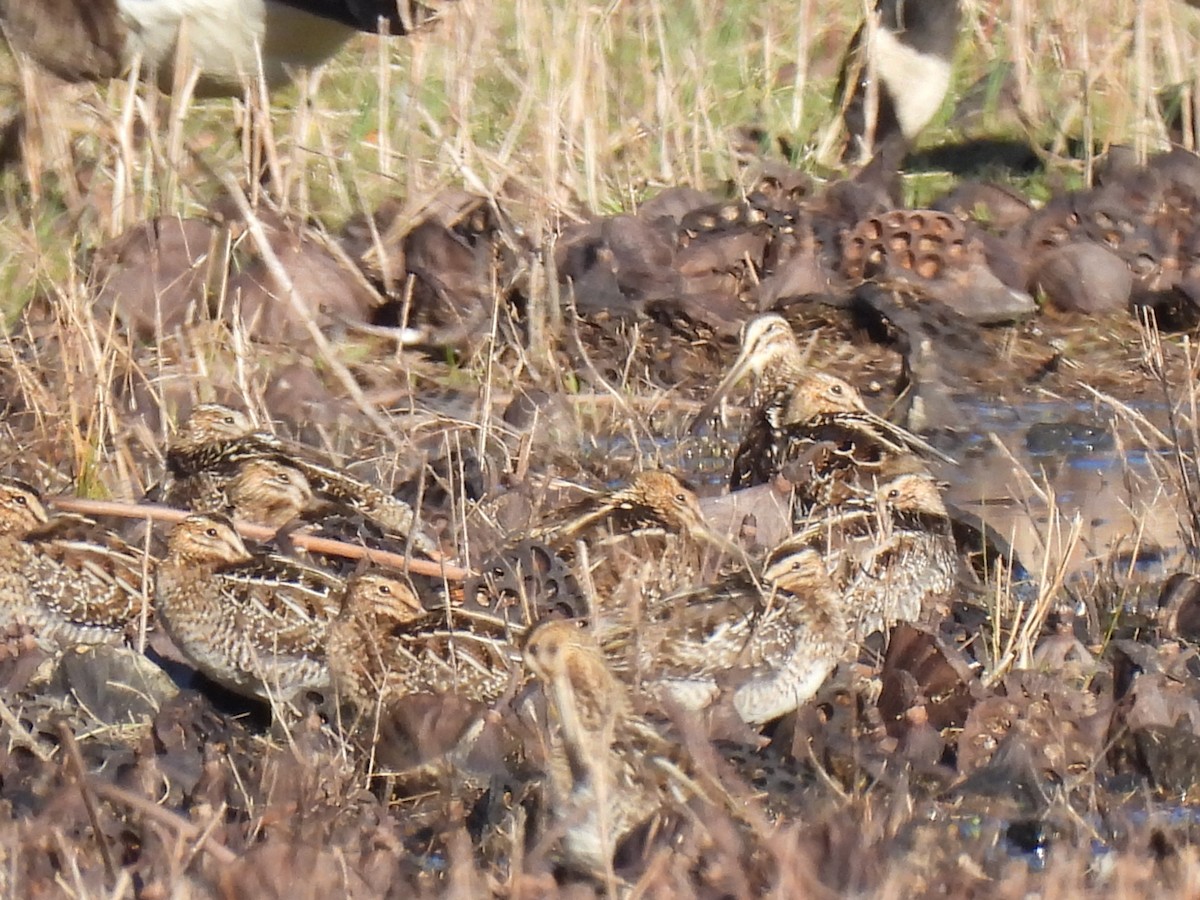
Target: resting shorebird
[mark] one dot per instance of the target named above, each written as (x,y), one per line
(216,443)
(255,623)
(770,352)
(66,579)
(653,500)
(910,564)
(201,456)
(891,551)
(609,770)
(647,538)
(771,642)
(93,40)
(384,645)
(21,508)
(822,421)
(268,492)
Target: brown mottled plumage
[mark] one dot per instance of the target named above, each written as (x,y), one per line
(208,423)
(604,772)
(215,443)
(821,423)
(21,508)
(209,444)
(254,623)
(890,550)
(649,536)
(358,640)
(268,492)
(65,578)
(912,562)
(770,352)
(384,645)
(770,641)
(653,500)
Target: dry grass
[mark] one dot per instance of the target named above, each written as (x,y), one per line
(554,111)
(560,110)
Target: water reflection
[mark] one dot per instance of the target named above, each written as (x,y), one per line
(1017,463)
(1026,459)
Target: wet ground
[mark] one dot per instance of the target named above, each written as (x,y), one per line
(1067,769)
(1039,736)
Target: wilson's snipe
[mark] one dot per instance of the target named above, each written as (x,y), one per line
(607,766)
(910,564)
(821,423)
(770,352)
(215,443)
(384,645)
(254,623)
(21,509)
(649,536)
(268,492)
(771,643)
(209,444)
(653,500)
(65,578)
(891,551)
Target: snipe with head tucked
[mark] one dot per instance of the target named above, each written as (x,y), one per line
(268,492)
(255,623)
(910,564)
(891,551)
(769,641)
(200,457)
(653,501)
(649,536)
(65,578)
(384,645)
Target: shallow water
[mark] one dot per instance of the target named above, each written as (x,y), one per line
(1017,463)
(1023,461)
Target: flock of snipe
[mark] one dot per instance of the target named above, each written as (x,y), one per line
(680,616)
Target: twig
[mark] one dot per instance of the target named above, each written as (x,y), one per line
(217,817)
(1019,469)
(1130,414)
(89,798)
(174,821)
(438,568)
(21,734)
(293,297)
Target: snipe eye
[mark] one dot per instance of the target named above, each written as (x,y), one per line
(835,389)
(681,498)
(210,532)
(284,477)
(229,420)
(385,589)
(21,500)
(894,494)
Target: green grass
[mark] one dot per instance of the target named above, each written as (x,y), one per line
(565,110)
